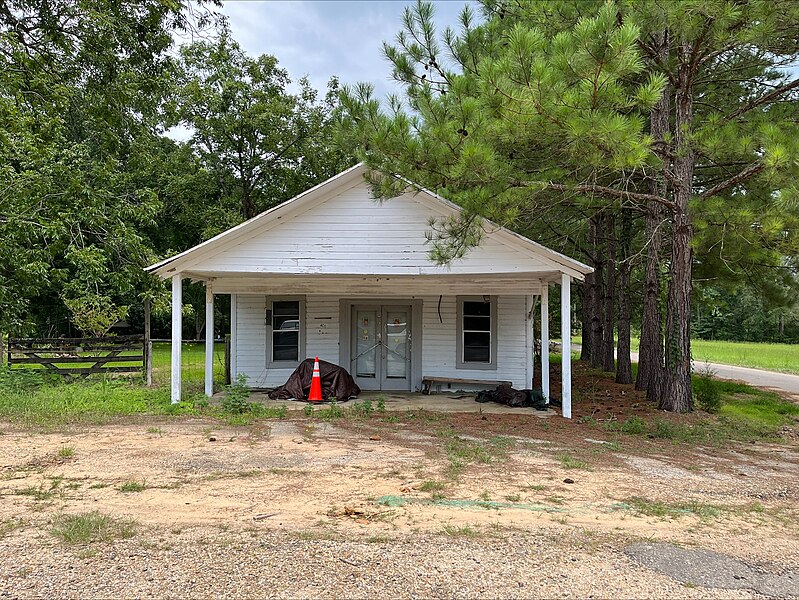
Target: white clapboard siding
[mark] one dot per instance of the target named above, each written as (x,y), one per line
(321,328)
(439,346)
(438,339)
(351,233)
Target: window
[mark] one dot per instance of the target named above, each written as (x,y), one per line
(286,335)
(477,333)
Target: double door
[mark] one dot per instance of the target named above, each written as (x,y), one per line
(381,347)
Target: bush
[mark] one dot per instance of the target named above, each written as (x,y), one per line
(707,393)
(236,401)
(633,425)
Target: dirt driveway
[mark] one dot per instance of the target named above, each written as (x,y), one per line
(421,504)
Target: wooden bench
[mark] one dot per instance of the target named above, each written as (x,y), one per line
(429,382)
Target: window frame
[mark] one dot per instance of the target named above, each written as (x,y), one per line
(460,363)
(270,330)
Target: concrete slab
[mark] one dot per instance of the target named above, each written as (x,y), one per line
(404,401)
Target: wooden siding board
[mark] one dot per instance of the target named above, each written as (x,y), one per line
(438,341)
(351,233)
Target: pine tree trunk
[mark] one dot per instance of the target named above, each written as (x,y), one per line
(677,390)
(650,351)
(585,316)
(596,292)
(609,299)
(624,368)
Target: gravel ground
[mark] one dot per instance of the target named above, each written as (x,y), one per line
(291,509)
(202,563)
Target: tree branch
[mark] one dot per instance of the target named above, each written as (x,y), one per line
(778,91)
(600,190)
(734,180)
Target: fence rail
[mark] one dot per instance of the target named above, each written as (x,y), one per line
(98,355)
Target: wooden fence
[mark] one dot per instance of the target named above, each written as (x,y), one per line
(80,357)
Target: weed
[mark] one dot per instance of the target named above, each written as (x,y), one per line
(432,486)
(308,410)
(66,452)
(567,461)
(656,508)
(555,500)
(377,539)
(391,419)
(535,487)
(132,486)
(237,394)
(98,486)
(484,495)
(614,445)
(154,430)
(332,411)
(513,497)
(9,525)
(464,531)
(89,527)
(37,494)
(381,403)
(587,419)
(633,426)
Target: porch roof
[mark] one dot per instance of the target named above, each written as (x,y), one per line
(376,285)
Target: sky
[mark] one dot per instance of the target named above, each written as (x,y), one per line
(325,38)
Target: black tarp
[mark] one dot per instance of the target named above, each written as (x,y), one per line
(505,394)
(336,382)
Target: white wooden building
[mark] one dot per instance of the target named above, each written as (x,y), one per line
(335,274)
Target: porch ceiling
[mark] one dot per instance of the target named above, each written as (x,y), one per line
(367,285)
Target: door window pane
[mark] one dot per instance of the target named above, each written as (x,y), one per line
(366,346)
(396,343)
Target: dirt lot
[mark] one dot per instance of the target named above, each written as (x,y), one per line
(416,504)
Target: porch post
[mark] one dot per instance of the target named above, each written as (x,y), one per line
(209,339)
(566,334)
(177,334)
(545,340)
(233,340)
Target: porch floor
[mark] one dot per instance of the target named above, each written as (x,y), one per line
(403,401)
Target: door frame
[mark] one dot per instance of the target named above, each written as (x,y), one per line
(345,332)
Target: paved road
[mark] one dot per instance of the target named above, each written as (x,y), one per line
(758,377)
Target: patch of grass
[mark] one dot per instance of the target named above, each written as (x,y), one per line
(9,525)
(89,527)
(464,531)
(98,486)
(331,412)
(56,404)
(314,535)
(567,461)
(462,452)
(132,487)
(774,357)
(37,493)
(432,486)
(155,430)
(537,487)
(377,539)
(66,452)
(675,510)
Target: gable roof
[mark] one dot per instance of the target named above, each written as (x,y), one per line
(193,258)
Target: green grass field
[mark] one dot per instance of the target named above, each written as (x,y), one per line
(772,357)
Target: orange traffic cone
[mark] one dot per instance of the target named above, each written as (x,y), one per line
(316,383)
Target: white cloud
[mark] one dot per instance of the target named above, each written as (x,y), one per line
(322,39)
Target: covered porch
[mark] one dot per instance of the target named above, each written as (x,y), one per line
(401,402)
(530,291)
